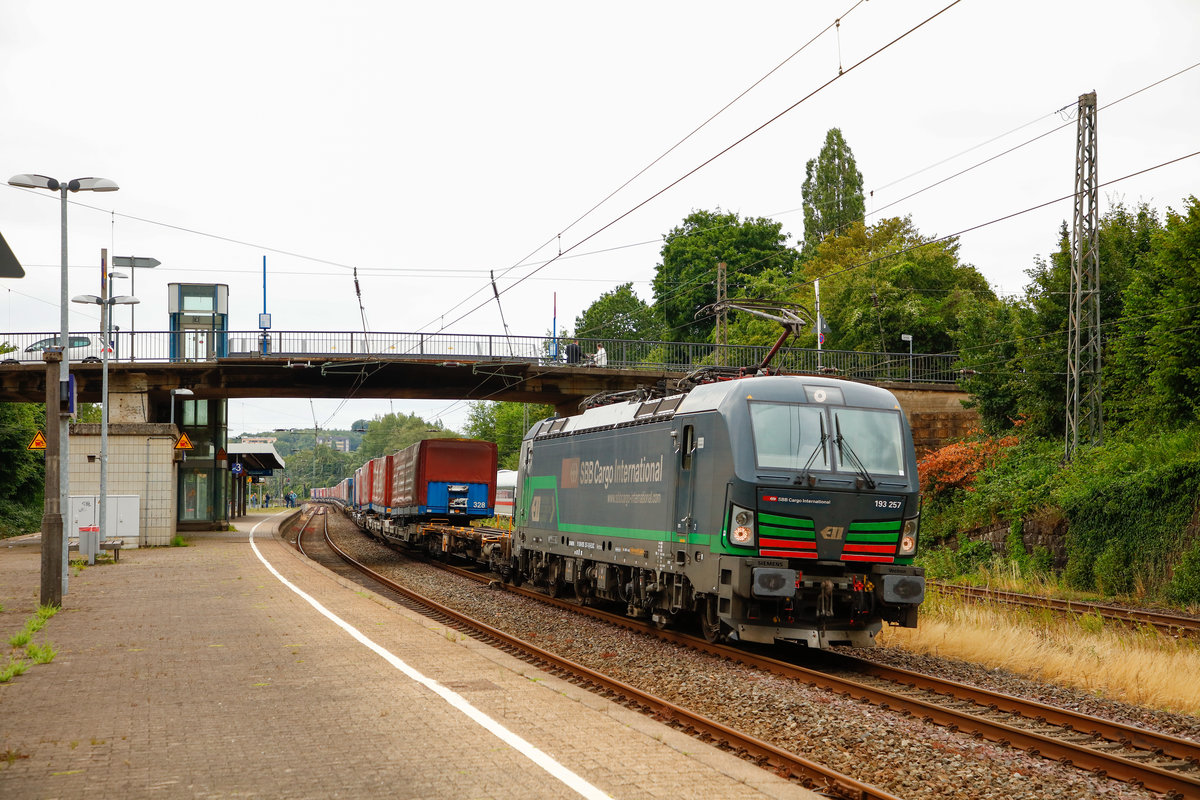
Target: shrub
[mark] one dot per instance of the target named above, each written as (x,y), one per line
(17,519)
(1113,570)
(946,562)
(1184,587)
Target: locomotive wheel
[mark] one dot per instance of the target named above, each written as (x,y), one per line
(583,588)
(554,579)
(710,621)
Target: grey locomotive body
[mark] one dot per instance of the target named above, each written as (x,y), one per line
(770,508)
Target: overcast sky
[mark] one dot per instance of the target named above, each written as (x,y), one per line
(428,143)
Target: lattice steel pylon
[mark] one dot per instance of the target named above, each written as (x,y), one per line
(1083,325)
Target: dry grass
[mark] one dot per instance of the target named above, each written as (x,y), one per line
(1135,666)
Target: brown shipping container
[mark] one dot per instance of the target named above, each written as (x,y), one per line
(450,460)
(381,483)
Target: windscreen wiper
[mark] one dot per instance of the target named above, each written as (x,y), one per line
(855,461)
(820,448)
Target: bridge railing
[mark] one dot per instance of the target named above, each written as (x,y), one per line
(210,345)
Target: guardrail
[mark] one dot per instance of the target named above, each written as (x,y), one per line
(210,345)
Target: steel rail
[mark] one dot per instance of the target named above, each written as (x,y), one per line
(305,521)
(1172,623)
(779,760)
(1113,765)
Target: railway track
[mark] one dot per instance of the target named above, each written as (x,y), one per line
(1174,624)
(813,775)
(1158,762)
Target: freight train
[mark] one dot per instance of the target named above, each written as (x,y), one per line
(768,508)
(417,495)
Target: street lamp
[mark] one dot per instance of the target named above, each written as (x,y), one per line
(106,304)
(907,337)
(54,185)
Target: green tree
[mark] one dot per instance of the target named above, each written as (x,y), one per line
(1039,366)
(391,432)
(506,425)
(1040,325)
(319,467)
(618,314)
(22,471)
(988,336)
(832,190)
(88,412)
(881,281)
(686,280)
(1155,366)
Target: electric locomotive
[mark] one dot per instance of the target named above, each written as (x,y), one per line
(771,508)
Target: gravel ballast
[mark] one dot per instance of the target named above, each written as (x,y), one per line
(903,755)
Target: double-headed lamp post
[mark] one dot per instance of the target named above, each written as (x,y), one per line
(49,596)
(106,304)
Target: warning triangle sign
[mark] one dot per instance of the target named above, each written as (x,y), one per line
(184,442)
(38,443)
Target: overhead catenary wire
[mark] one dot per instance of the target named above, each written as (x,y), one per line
(558,237)
(730,147)
(388,270)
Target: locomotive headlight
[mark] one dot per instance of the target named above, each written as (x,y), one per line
(908,536)
(741,532)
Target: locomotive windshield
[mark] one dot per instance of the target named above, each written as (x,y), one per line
(789,436)
(799,437)
(872,437)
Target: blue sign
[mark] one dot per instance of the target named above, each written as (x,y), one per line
(236,469)
(260,473)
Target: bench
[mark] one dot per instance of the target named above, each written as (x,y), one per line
(107,544)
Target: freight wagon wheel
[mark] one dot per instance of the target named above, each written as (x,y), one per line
(513,573)
(710,621)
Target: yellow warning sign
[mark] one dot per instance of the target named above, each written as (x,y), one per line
(184,442)
(38,443)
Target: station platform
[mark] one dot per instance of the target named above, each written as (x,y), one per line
(234,667)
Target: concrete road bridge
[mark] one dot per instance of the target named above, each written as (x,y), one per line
(208,485)
(145,366)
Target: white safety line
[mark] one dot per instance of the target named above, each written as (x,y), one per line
(456,700)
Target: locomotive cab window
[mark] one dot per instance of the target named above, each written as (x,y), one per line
(874,438)
(789,436)
(689,447)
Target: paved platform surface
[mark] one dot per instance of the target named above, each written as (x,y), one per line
(197,672)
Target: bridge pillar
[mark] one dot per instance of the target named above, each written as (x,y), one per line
(128,398)
(935,413)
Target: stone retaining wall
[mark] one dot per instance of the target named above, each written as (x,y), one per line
(1046,530)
